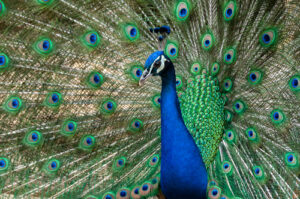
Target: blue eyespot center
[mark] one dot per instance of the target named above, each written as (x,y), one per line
(214,192)
(250,133)
(226,166)
(177,82)
(215,68)
(46,45)
(123,193)
(290,158)
(295,82)
(183,12)
(229,134)
(71,126)
(89,141)
(145,187)
(120,162)
(55,98)
(136,191)
(93,38)
(137,124)
(138,72)
(196,68)
(207,42)
(228,57)
(173,51)
(96,78)
(2,60)
(276,116)
(159,100)
(53,165)
(252,77)
(266,38)
(2,163)
(15,103)
(237,106)
(154,159)
(34,137)
(109,105)
(228,12)
(108,197)
(154,181)
(226,84)
(133,32)
(257,170)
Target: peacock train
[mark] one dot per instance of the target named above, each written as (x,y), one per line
(137,99)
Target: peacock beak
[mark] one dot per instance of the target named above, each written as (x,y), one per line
(146,75)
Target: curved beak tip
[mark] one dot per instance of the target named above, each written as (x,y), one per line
(144,77)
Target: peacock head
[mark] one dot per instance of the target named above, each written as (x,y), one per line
(156,64)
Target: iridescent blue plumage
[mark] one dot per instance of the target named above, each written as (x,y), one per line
(183,173)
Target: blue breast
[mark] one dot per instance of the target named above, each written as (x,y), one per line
(183,173)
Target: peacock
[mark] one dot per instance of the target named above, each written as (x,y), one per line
(81,116)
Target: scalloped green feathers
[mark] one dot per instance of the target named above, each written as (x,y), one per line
(91,39)
(52,166)
(229,56)
(268,37)
(33,139)
(53,99)
(182,10)
(68,128)
(230,10)
(135,125)
(87,142)
(294,83)
(171,49)
(43,46)
(131,32)
(13,104)
(95,79)
(204,116)
(4,164)
(108,107)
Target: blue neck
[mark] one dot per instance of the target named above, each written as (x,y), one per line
(183,173)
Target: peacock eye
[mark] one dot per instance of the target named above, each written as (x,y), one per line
(157,64)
